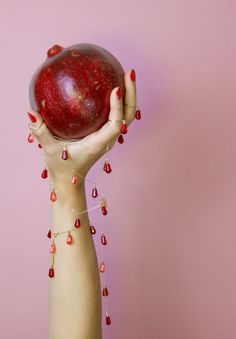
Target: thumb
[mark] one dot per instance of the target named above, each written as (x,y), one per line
(39,129)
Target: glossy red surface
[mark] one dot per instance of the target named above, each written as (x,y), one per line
(71,89)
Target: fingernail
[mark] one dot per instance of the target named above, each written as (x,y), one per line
(118,94)
(133,75)
(32,117)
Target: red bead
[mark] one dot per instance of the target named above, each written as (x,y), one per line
(92,229)
(44,174)
(53,248)
(108,320)
(40,146)
(74,180)
(104,210)
(138,114)
(107,167)
(77,223)
(51,272)
(103,240)
(102,267)
(31,138)
(49,235)
(94,192)
(121,139)
(64,155)
(53,196)
(124,128)
(105,291)
(69,239)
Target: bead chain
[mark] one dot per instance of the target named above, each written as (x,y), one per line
(103,205)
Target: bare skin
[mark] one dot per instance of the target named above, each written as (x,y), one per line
(75,291)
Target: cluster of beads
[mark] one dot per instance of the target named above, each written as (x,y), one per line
(77,223)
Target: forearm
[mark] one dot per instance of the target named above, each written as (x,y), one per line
(74,297)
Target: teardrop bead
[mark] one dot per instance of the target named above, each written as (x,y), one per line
(104,210)
(103,240)
(64,155)
(49,235)
(31,138)
(108,319)
(138,114)
(51,272)
(40,146)
(53,248)
(74,180)
(92,230)
(69,239)
(121,139)
(124,128)
(53,196)
(102,267)
(77,223)
(44,174)
(105,291)
(107,167)
(94,192)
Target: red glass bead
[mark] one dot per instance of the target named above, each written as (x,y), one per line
(124,128)
(94,192)
(31,138)
(105,291)
(40,146)
(44,174)
(64,155)
(104,210)
(53,248)
(69,239)
(121,139)
(138,114)
(103,240)
(74,180)
(77,223)
(53,196)
(102,267)
(49,235)
(92,229)
(108,319)
(51,272)
(107,167)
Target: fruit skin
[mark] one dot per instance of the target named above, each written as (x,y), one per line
(71,89)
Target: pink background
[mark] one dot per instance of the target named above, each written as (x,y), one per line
(172,192)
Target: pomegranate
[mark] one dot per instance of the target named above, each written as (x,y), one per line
(71,89)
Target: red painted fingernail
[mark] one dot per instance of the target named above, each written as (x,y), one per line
(32,117)
(118,94)
(133,75)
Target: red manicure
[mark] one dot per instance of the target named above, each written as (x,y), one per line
(32,117)
(118,94)
(133,75)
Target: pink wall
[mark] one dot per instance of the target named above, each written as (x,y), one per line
(172,193)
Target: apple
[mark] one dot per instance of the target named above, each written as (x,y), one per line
(71,89)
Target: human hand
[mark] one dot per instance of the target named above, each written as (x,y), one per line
(85,152)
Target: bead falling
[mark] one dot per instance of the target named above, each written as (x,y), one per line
(103,240)
(30,138)
(44,173)
(74,180)
(77,223)
(124,128)
(53,196)
(107,167)
(102,267)
(92,230)
(94,192)
(51,272)
(69,239)
(121,139)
